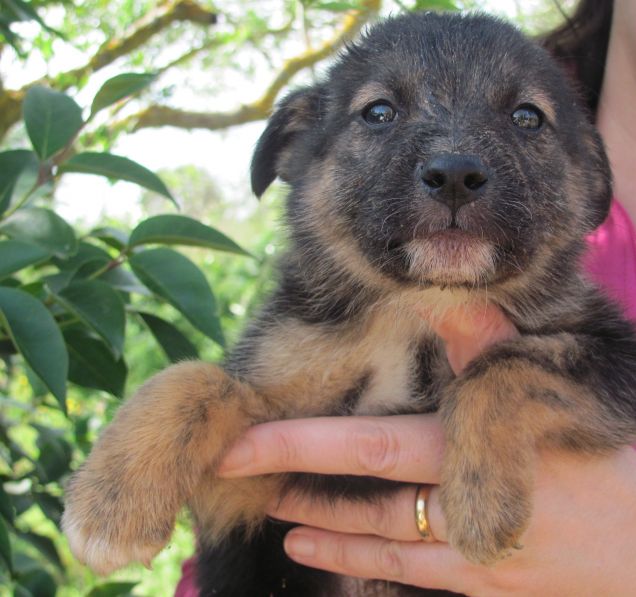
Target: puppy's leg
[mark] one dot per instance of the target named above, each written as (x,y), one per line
(121,504)
(527,394)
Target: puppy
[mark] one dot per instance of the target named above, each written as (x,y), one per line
(443,161)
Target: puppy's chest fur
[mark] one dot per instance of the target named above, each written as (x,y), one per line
(385,361)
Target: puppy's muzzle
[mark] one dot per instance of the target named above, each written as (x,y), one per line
(454,179)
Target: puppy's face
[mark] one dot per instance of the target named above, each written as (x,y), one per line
(441,150)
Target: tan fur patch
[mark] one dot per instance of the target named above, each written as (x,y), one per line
(336,234)
(542,101)
(220,505)
(368,93)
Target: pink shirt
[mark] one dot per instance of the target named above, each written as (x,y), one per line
(611,258)
(187,585)
(610,262)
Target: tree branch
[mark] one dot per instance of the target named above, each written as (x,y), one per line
(162,17)
(212,43)
(153,23)
(10,109)
(157,116)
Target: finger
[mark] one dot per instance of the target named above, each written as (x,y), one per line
(403,448)
(469,330)
(390,517)
(428,565)
(463,319)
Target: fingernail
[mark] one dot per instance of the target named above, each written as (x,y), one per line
(299,545)
(238,459)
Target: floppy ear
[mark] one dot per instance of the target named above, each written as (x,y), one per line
(295,114)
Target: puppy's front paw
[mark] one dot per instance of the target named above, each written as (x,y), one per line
(105,550)
(112,524)
(485,516)
(122,503)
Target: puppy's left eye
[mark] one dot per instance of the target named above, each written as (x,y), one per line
(379,113)
(527,117)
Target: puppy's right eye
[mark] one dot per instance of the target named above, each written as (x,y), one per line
(379,113)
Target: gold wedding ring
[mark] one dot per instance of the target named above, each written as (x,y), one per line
(421,513)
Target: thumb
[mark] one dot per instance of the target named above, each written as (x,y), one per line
(469,330)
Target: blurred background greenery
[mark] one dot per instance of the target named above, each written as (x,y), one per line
(217,69)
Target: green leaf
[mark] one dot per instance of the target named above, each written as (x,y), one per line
(100,307)
(20,591)
(338,6)
(19,11)
(16,254)
(86,252)
(36,583)
(55,454)
(181,230)
(92,365)
(114,237)
(123,280)
(176,346)
(6,508)
(435,5)
(37,386)
(89,269)
(41,227)
(36,289)
(22,501)
(56,282)
(81,434)
(24,563)
(11,38)
(50,505)
(176,279)
(119,87)
(113,589)
(35,334)
(5,546)
(29,183)
(23,11)
(54,461)
(45,546)
(10,283)
(12,164)
(117,168)
(52,120)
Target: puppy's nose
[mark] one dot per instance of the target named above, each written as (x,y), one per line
(454,179)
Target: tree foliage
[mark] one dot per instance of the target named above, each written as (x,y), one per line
(214,36)
(66,300)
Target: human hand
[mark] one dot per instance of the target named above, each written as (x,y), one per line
(579,541)
(467,331)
